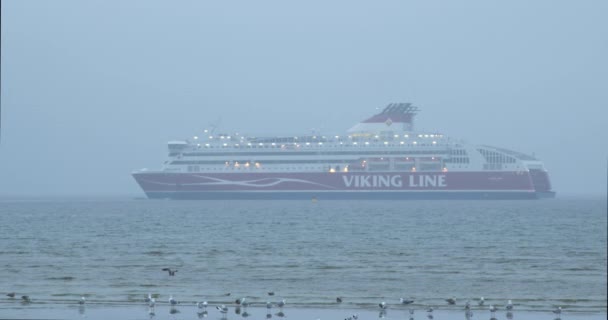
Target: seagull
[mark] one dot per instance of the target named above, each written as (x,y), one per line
(451,301)
(172,301)
(171,272)
(223,309)
(404,301)
(481,301)
(509,305)
(151,303)
(238,301)
(82,300)
(10,294)
(492,309)
(558,310)
(382,305)
(467,305)
(271,293)
(339,300)
(26,299)
(149,297)
(281,303)
(244,303)
(268,305)
(202,305)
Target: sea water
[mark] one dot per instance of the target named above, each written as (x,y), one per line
(537,253)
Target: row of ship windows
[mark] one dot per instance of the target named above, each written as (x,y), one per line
(325,168)
(457,160)
(207,162)
(307,153)
(460,152)
(496,157)
(357,137)
(315,145)
(379,163)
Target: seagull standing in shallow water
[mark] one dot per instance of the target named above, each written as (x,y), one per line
(481,301)
(509,305)
(202,305)
(405,301)
(492,309)
(151,303)
(172,301)
(222,309)
(382,305)
(558,311)
(450,301)
(244,303)
(82,300)
(281,304)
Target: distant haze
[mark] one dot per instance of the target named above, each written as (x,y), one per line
(92,90)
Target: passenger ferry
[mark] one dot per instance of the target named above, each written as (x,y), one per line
(380,158)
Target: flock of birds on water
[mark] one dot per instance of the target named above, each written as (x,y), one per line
(241,304)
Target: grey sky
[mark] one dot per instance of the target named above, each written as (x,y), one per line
(92,90)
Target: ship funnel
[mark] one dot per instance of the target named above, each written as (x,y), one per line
(394,117)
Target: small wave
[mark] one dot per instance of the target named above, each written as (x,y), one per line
(14,252)
(581,269)
(66,278)
(154,253)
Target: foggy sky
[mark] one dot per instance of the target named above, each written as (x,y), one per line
(92,90)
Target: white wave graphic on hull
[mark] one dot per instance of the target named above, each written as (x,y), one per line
(254,183)
(246,183)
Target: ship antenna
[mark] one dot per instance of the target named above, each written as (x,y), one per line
(214,125)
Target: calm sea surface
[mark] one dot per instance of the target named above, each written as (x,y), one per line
(537,253)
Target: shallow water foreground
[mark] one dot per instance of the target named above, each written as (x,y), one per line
(94,312)
(540,254)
